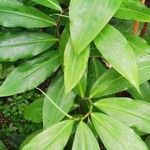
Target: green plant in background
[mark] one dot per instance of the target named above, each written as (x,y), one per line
(88,62)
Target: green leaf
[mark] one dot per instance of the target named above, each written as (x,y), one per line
(131,10)
(30,74)
(113,45)
(135,113)
(14,46)
(139,45)
(49,3)
(53,138)
(84,138)
(145,94)
(147,141)
(95,70)
(2,146)
(109,82)
(63,41)
(16,14)
(29,138)
(34,111)
(115,135)
(56,92)
(74,66)
(88,18)
(81,86)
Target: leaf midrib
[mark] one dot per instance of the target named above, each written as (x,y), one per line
(26,15)
(29,43)
(121,110)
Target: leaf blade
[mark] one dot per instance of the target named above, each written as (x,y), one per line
(115,135)
(112,45)
(54,137)
(84,138)
(15,46)
(134,113)
(30,74)
(91,24)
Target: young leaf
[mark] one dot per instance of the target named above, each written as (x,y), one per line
(15,14)
(74,66)
(134,113)
(53,138)
(49,3)
(84,138)
(115,48)
(109,82)
(132,10)
(90,20)
(115,135)
(34,111)
(30,74)
(56,92)
(14,46)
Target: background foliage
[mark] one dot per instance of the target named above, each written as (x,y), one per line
(74,74)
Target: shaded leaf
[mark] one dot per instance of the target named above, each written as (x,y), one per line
(34,111)
(56,92)
(81,86)
(109,82)
(145,94)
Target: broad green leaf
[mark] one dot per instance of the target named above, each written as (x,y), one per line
(88,18)
(115,135)
(56,92)
(84,138)
(49,3)
(145,94)
(116,50)
(14,46)
(15,14)
(109,82)
(34,111)
(135,113)
(30,74)
(53,138)
(131,10)
(139,45)
(74,66)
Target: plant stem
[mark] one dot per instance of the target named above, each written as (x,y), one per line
(144,29)
(54,104)
(137,24)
